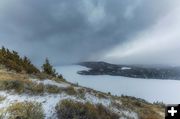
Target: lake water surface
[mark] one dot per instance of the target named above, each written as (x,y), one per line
(151,90)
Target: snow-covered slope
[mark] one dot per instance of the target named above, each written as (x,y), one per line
(49,101)
(125,107)
(152,90)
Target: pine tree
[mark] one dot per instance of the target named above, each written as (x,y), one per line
(13,61)
(48,68)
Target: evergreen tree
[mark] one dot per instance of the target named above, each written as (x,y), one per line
(48,68)
(13,61)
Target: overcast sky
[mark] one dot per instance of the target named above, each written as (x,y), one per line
(117,31)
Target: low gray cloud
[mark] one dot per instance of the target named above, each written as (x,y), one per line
(158,44)
(69,31)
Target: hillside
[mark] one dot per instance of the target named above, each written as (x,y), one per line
(147,72)
(38,95)
(18,88)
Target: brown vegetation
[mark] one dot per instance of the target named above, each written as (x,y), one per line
(144,109)
(70,90)
(68,109)
(25,110)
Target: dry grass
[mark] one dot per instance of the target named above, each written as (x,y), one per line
(68,109)
(53,89)
(37,88)
(9,75)
(43,76)
(20,83)
(101,95)
(70,90)
(144,109)
(81,93)
(2,98)
(25,110)
(2,113)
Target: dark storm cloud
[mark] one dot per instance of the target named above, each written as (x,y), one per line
(69,31)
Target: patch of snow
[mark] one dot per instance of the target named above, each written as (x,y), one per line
(125,68)
(48,101)
(130,115)
(96,100)
(118,102)
(151,90)
(125,113)
(51,82)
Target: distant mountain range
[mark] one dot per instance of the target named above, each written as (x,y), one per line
(133,71)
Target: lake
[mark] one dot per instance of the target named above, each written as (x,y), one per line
(167,91)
